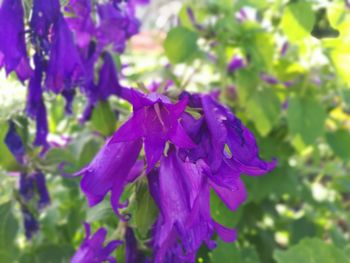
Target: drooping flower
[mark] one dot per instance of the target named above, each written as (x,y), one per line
(92,250)
(14,143)
(31,225)
(224,141)
(284,48)
(193,19)
(35,107)
(64,67)
(13,53)
(109,171)
(40,181)
(26,186)
(181,192)
(269,79)
(156,120)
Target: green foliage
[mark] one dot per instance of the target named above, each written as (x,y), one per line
(312,250)
(180,45)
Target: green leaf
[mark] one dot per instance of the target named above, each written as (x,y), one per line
(53,253)
(103,118)
(230,252)
(306,118)
(302,228)
(8,231)
(340,143)
(263,109)
(298,20)
(312,250)
(180,45)
(146,210)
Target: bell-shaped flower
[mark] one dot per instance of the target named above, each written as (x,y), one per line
(92,250)
(64,68)
(110,170)
(181,192)
(223,140)
(156,120)
(13,53)
(132,252)
(40,181)
(26,186)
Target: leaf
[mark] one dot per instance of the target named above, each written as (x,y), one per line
(312,250)
(103,118)
(306,118)
(298,20)
(302,228)
(52,253)
(8,231)
(340,143)
(230,252)
(263,109)
(146,210)
(180,45)
(7,160)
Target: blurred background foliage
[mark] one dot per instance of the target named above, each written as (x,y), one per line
(293,92)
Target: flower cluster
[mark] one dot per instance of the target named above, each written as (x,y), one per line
(186,158)
(32,184)
(67,43)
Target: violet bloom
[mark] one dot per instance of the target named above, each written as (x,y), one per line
(13,53)
(156,120)
(26,186)
(269,79)
(284,48)
(64,67)
(35,107)
(235,64)
(14,143)
(44,198)
(219,128)
(109,171)
(92,250)
(181,191)
(31,225)
(193,19)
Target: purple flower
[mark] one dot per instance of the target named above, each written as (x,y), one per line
(44,198)
(13,53)
(219,128)
(181,191)
(109,171)
(193,19)
(235,64)
(269,79)
(14,143)
(31,225)
(91,249)
(156,120)
(26,186)
(35,107)
(64,67)
(132,252)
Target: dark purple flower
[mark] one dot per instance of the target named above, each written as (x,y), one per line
(269,79)
(217,129)
(181,192)
(44,198)
(13,53)
(45,14)
(41,127)
(92,250)
(31,225)
(14,143)
(235,64)
(156,120)
(64,67)
(26,186)
(132,252)
(109,171)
